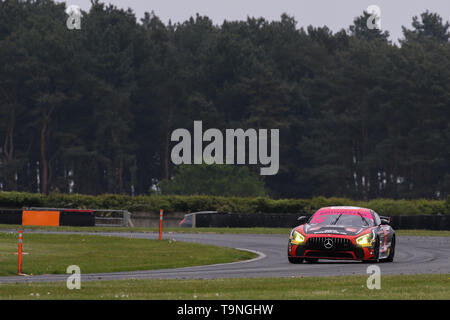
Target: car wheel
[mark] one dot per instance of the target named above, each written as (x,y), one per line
(377,251)
(295,260)
(390,258)
(311,260)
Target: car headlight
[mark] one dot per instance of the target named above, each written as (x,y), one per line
(297,237)
(365,240)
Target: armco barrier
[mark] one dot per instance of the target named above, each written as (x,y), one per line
(289,220)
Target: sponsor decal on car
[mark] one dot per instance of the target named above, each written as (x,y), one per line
(331,231)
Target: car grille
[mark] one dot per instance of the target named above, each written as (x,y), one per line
(330,254)
(318,243)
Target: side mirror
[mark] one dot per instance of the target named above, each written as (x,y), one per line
(302,219)
(385,220)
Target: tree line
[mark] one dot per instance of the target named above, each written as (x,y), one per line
(91,111)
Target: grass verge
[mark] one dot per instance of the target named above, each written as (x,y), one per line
(53,253)
(285,231)
(393,287)
(139,229)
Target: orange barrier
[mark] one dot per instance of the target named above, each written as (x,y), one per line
(40,218)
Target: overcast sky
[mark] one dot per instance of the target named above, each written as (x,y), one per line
(336,14)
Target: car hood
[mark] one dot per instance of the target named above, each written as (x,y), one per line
(332,229)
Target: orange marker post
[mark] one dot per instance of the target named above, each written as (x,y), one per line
(19,253)
(160,223)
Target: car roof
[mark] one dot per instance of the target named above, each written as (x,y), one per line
(201,212)
(344,209)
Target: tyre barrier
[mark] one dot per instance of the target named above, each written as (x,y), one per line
(11,216)
(77,218)
(289,220)
(236,220)
(429,222)
(72,217)
(69,217)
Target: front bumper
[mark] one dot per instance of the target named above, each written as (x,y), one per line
(343,248)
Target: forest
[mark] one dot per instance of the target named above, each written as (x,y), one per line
(91,111)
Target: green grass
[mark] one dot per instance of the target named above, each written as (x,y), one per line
(139,229)
(425,233)
(393,287)
(429,233)
(53,253)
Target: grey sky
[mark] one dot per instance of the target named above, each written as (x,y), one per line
(333,13)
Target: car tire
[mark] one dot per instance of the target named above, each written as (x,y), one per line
(390,258)
(295,260)
(311,260)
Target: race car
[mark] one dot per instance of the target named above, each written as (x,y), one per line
(342,233)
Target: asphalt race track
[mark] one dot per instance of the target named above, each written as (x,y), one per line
(413,255)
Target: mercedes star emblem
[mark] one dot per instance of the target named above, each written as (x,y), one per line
(328,243)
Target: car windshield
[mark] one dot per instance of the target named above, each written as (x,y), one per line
(354,219)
